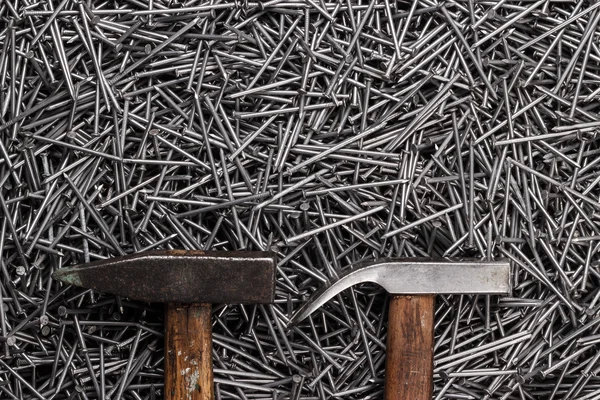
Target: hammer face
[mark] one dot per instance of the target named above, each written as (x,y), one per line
(181,276)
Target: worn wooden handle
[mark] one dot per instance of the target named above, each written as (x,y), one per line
(409,363)
(188,352)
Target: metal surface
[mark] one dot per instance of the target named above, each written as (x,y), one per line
(418,276)
(181,276)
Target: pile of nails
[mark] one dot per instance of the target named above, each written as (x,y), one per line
(329,132)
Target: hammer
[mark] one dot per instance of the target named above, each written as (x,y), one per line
(188,281)
(413,283)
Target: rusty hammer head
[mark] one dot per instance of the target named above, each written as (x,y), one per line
(412,276)
(181,276)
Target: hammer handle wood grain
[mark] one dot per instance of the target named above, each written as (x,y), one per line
(188,352)
(409,364)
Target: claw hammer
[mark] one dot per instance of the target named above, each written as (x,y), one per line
(413,283)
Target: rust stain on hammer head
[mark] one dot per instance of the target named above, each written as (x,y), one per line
(178,252)
(186,276)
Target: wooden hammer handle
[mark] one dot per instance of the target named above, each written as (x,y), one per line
(188,352)
(409,355)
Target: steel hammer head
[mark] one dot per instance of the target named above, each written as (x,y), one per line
(418,276)
(183,276)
